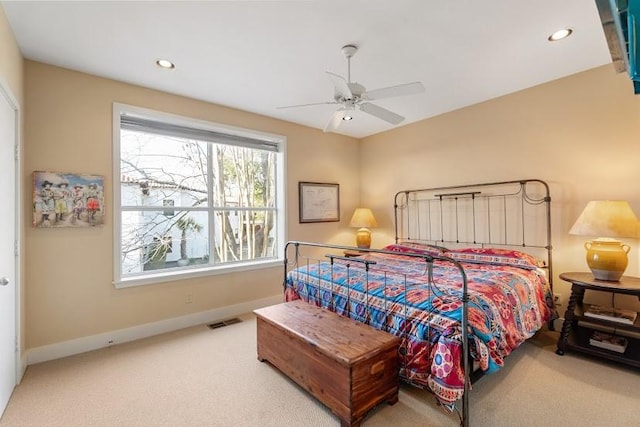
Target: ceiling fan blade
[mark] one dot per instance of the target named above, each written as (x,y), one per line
(335,120)
(307,105)
(381,113)
(391,91)
(341,87)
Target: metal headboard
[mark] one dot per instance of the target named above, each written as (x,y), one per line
(497,214)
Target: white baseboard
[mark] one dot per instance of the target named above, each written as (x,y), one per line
(557,324)
(21,368)
(94,342)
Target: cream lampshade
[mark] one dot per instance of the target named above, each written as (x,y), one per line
(363,219)
(606,220)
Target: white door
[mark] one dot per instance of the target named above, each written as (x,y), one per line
(7,250)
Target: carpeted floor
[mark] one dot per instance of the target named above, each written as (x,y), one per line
(203,377)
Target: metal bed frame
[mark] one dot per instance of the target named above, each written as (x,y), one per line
(507,213)
(498,214)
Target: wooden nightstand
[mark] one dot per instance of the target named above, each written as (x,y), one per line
(574,336)
(350,253)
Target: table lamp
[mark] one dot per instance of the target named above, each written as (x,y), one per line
(363,219)
(606,220)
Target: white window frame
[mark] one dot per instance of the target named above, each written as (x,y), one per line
(158,276)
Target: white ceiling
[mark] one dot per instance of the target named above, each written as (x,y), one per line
(258,55)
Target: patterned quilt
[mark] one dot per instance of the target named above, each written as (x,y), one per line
(507,305)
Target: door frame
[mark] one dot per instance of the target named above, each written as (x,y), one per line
(20,362)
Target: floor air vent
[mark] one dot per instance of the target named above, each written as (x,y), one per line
(224,323)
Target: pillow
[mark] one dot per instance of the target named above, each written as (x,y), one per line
(495,256)
(416,248)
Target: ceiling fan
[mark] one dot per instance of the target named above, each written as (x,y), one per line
(351,95)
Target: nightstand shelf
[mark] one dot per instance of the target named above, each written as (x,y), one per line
(575,336)
(351,253)
(580,310)
(578,340)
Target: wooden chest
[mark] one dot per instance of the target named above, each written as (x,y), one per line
(348,366)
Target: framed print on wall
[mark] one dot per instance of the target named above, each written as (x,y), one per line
(319,202)
(67,200)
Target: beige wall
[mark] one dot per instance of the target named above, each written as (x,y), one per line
(69,292)
(580,134)
(11,62)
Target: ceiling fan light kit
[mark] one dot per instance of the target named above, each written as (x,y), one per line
(350,95)
(349,50)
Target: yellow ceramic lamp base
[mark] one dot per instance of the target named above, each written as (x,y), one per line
(363,238)
(607,259)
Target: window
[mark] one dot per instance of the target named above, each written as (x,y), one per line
(193,197)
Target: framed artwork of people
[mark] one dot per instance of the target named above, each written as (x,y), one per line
(67,200)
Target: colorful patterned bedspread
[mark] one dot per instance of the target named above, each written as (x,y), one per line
(507,305)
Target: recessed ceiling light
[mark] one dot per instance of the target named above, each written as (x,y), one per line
(560,34)
(347,118)
(165,63)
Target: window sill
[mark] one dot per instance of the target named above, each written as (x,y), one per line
(172,276)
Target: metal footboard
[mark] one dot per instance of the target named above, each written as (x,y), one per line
(359,270)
